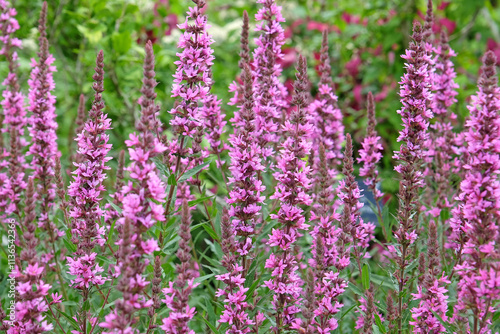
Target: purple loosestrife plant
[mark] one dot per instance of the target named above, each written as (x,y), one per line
(326,115)
(246,202)
(236,87)
(14,112)
(270,94)
(32,291)
(12,183)
(235,307)
(86,190)
(359,232)
(327,284)
(476,218)
(192,82)
(370,155)
(214,124)
(43,127)
(294,181)
(432,291)
(142,198)
(415,97)
(81,118)
(441,149)
(245,196)
(367,312)
(177,293)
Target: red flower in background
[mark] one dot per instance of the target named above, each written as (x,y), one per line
(352,66)
(492,45)
(289,57)
(354,19)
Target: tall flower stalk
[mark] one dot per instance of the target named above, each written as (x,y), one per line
(270,93)
(294,181)
(246,200)
(326,262)
(143,198)
(441,149)
(192,82)
(43,127)
(327,116)
(86,190)
(476,218)
(31,298)
(356,232)
(177,293)
(432,291)
(370,155)
(12,182)
(415,97)
(236,87)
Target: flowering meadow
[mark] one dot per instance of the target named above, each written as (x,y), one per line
(259,213)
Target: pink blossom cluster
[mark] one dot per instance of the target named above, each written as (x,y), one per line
(12,181)
(270,94)
(364,308)
(177,293)
(197,107)
(356,233)
(326,115)
(371,152)
(246,164)
(415,96)
(236,308)
(246,200)
(432,289)
(142,198)
(87,187)
(475,219)
(31,303)
(433,301)
(442,151)
(43,125)
(294,180)
(192,79)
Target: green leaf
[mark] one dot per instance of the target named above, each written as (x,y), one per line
(212,318)
(365,276)
(69,245)
(105,259)
(444,323)
(210,231)
(70,303)
(114,206)
(212,327)
(347,312)
(203,278)
(198,201)
(86,306)
(193,171)
(171,180)
(122,42)
(355,289)
(380,326)
(161,167)
(70,319)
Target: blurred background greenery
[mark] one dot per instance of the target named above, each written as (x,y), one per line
(366,40)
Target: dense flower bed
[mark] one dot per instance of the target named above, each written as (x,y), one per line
(255,223)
